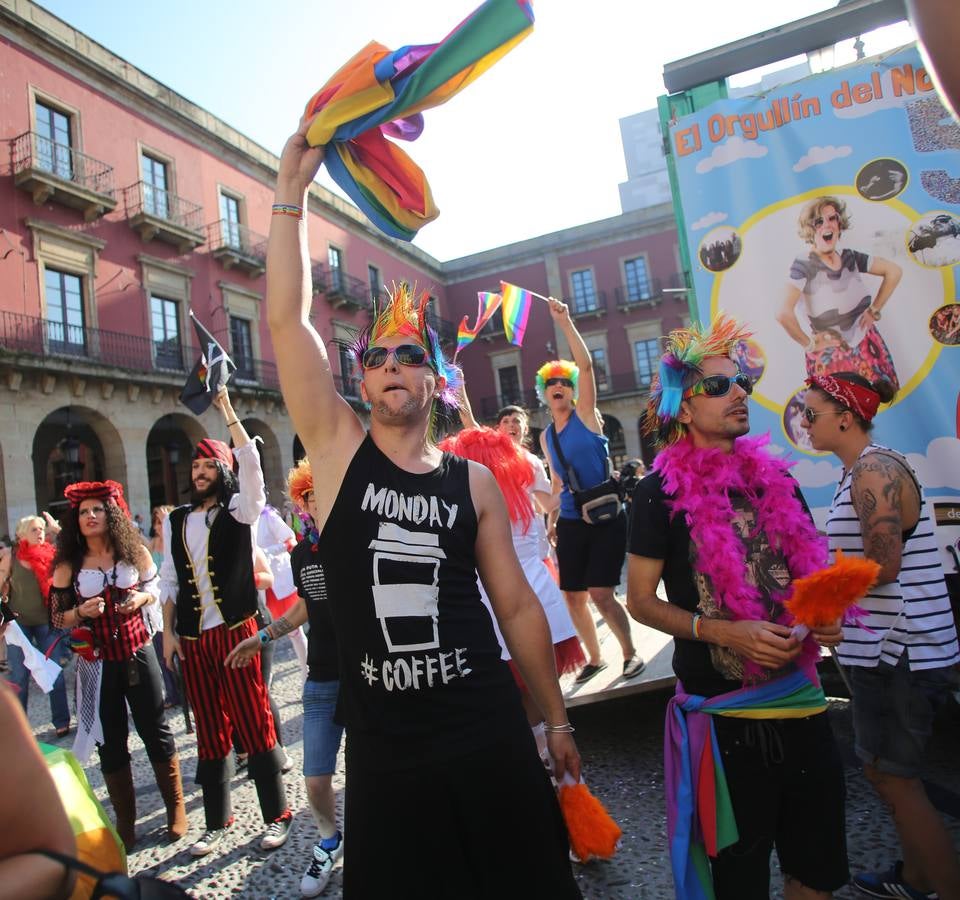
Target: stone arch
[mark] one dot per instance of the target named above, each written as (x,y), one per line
(169,451)
(270,459)
(74,443)
(618,444)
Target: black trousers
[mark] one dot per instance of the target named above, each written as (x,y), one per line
(139,682)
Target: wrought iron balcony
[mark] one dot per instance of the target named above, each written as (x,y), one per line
(51,341)
(159,214)
(651,294)
(346,291)
(236,246)
(589,306)
(320,277)
(57,172)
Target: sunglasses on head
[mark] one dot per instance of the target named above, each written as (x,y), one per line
(719,385)
(565,382)
(405,354)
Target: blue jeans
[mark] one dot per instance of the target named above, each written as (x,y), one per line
(42,637)
(321,735)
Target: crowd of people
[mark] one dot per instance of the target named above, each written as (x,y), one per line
(445,587)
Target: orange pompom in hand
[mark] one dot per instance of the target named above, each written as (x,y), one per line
(592,831)
(824,596)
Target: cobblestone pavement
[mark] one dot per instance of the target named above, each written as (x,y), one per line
(621,743)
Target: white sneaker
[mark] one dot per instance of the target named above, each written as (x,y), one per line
(277,832)
(208,841)
(321,867)
(287,764)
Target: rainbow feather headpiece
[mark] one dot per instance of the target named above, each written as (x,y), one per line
(300,482)
(686,348)
(405,314)
(557,368)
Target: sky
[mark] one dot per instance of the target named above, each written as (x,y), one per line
(531,147)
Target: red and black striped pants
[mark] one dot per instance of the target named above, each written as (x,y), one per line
(223,697)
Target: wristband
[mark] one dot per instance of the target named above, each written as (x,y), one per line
(234,422)
(565,728)
(695,626)
(264,635)
(287,209)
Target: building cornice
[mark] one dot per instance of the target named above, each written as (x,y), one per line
(64,233)
(31,26)
(602,233)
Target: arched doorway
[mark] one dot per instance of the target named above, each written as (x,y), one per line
(74,443)
(169,453)
(618,444)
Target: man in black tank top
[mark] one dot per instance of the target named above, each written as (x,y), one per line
(440,759)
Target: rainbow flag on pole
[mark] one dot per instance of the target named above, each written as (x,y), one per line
(516,310)
(487,305)
(382,93)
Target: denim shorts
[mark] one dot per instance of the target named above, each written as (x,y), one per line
(321,735)
(893,713)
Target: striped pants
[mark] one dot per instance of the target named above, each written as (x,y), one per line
(223,697)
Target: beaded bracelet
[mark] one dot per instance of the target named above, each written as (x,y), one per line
(695,626)
(565,728)
(287,209)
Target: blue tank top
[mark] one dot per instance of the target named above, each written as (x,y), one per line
(586,453)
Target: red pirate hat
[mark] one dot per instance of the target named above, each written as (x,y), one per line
(79,491)
(210,448)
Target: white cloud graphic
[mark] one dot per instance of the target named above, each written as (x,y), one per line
(729,152)
(707,221)
(940,468)
(816,156)
(810,474)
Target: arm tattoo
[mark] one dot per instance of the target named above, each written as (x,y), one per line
(280,627)
(877,493)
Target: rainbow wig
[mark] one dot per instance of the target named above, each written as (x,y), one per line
(405,314)
(300,482)
(557,368)
(687,348)
(505,460)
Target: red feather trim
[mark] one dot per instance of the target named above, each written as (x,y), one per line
(39,557)
(592,831)
(827,595)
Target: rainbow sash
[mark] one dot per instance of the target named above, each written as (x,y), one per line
(380,93)
(700,821)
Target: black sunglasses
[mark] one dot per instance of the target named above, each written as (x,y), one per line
(405,354)
(811,414)
(719,385)
(566,382)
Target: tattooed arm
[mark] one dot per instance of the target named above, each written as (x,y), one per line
(886,503)
(246,650)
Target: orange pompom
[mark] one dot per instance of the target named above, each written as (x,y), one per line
(822,597)
(593,833)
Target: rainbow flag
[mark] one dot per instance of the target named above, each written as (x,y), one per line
(382,93)
(487,305)
(700,820)
(516,311)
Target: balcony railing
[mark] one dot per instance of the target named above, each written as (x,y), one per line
(156,213)
(347,291)
(47,339)
(649,294)
(589,306)
(56,171)
(236,246)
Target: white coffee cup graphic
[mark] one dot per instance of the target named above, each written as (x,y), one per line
(420,554)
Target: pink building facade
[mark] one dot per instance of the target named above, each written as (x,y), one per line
(124,208)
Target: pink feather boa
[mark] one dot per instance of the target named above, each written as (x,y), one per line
(699,482)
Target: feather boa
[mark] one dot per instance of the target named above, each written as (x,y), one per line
(699,482)
(38,557)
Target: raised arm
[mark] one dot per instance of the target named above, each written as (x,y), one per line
(467,419)
(587,393)
(321,417)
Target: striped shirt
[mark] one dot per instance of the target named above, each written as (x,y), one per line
(912,612)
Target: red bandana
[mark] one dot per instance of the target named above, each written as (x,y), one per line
(96,490)
(209,448)
(860,400)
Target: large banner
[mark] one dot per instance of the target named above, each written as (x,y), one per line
(807,210)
